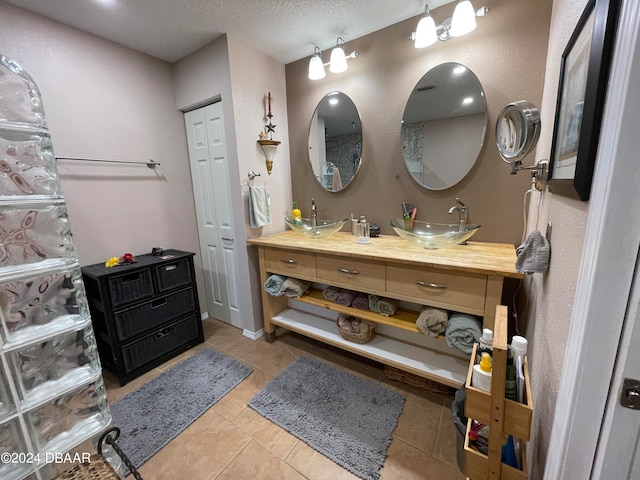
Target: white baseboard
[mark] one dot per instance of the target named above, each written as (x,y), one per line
(253,335)
(204,315)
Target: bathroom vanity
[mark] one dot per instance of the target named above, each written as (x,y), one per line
(463,278)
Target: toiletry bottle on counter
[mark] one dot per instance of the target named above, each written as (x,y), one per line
(481,376)
(296,214)
(363,233)
(485,344)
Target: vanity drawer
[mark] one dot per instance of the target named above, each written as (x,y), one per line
(351,272)
(432,284)
(290,262)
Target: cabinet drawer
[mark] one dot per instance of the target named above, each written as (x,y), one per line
(130,287)
(444,286)
(353,273)
(159,343)
(172,275)
(290,262)
(153,313)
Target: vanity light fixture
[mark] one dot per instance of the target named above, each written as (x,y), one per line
(316,67)
(462,22)
(426,30)
(337,62)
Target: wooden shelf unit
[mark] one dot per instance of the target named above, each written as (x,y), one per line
(504,416)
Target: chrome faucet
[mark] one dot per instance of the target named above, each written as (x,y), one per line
(314,214)
(463,215)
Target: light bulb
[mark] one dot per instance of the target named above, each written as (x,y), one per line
(338,62)
(463,20)
(316,68)
(426,32)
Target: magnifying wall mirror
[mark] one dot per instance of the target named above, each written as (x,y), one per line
(335,141)
(517,132)
(444,126)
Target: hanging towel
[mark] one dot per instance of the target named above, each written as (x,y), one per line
(361,301)
(432,321)
(387,306)
(374,303)
(463,331)
(259,206)
(336,181)
(331,293)
(533,254)
(292,287)
(273,285)
(345,297)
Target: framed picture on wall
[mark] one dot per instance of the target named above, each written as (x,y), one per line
(584,74)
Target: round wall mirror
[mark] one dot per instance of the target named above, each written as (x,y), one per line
(444,126)
(335,141)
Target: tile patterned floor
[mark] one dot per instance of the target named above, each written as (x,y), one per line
(232,442)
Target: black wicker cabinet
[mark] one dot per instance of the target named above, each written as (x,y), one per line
(143,313)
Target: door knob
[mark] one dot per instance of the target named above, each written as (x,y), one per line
(630,394)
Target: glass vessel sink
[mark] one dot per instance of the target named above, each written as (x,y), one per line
(432,235)
(322,228)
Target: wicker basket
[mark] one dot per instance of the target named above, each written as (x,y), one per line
(417,381)
(359,337)
(97,469)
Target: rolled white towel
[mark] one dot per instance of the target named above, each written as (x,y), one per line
(432,321)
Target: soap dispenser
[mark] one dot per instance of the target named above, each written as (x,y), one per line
(481,376)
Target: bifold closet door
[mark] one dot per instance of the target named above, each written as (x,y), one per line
(210,176)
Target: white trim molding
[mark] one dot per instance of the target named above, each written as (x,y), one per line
(253,335)
(204,316)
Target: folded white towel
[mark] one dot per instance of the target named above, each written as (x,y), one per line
(259,206)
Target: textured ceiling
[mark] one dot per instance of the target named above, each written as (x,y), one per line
(286,30)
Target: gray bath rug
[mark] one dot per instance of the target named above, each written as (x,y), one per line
(344,417)
(157,412)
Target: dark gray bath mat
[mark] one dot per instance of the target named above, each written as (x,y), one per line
(157,412)
(344,417)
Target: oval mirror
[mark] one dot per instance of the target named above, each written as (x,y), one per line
(335,141)
(443,126)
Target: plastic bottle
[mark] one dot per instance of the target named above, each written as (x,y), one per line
(481,376)
(363,234)
(485,344)
(296,214)
(510,384)
(519,347)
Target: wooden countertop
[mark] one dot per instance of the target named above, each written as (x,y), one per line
(477,257)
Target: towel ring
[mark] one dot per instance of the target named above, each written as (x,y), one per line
(252,176)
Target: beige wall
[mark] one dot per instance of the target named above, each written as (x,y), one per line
(507,53)
(551,295)
(240,76)
(253,75)
(106,101)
